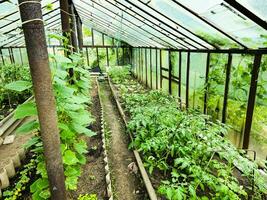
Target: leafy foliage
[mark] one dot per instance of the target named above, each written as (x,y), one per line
(15,84)
(16,192)
(187,148)
(119,73)
(72,101)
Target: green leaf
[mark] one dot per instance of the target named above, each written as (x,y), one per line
(81,158)
(82,130)
(25,110)
(82,117)
(36,196)
(19,86)
(39,185)
(45,194)
(71,182)
(72,171)
(32,141)
(27,127)
(41,169)
(81,147)
(70,158)
(61,59)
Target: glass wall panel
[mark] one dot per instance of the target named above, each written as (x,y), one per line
(238,97)
(258,138)
(197,80)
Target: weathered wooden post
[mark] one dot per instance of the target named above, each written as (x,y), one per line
(33,28)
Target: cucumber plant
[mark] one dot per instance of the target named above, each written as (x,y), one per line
(72,96)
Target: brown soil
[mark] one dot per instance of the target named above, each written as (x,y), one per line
(92,180)
(126,185)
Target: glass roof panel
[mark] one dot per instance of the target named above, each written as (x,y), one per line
(258,7)
(181,16)
(10,28)
(230,20)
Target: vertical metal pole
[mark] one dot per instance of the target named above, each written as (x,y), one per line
(151,80)
(117,56)
(187,80)
(3,60)
(206,83)
(87,55)
(54,52)
(21,59)
(170,73)
(35,41)
(160,68)
(180,78)
(123,56)
(146,65)
(139,67)
(79,33)
(73,27)
(251,99)
(93,41)
(103,40)
(107,56)
(10,56)
(156,68)
(226,89)
(65,25)
(97,56)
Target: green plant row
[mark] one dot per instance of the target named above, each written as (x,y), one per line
(10,99)
(185,148)
(72,101)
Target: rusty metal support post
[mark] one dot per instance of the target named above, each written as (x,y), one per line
(123,56)
(93,40)
(117,56)
(3,60)
(97,57)
(73,27)
(139,66)
(33,28)
(160,69)
(107,56)
(151,80)
(87,55)
(103,40)
(156,68)
(54,52)
(21,59)
(79,33)
(187,80)
(180,78)
(10,56)
(146,65)
(65,25)
(226,89)
(206,83)
(170,72)
(251,99)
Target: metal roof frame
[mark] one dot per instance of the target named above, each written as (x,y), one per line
(129,4)
(132,22)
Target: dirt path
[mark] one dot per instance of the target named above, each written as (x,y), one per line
(92,180)
(126,184)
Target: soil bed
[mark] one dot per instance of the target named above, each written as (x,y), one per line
(157,175)
(127,185)
(92,180)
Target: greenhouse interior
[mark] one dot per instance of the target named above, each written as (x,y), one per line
(133,99)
